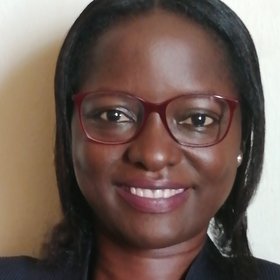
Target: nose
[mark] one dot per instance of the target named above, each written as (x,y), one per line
(154,149)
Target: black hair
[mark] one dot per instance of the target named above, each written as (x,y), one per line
(229,227)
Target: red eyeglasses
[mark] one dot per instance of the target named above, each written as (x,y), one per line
(195,120)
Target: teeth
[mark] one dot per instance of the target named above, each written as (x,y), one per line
(150,193)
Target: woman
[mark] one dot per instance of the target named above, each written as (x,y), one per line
(160,133)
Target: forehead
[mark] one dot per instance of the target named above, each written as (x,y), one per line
(162,46)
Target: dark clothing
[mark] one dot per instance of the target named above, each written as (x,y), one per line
(209,265)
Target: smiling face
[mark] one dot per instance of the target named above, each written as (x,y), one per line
(153,192)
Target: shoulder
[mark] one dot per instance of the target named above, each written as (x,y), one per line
(267,270)
(211,264)
(15,268)
(27,268)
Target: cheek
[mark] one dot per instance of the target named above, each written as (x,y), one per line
(213,176)
(90,159)
(221,172)
(217,164)
(215,169)
(93,164)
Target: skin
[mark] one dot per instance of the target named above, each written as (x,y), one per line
(156,57)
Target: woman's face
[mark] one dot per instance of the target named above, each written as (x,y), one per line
(156,57)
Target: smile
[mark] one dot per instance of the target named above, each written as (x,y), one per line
(155,193)
(154,199)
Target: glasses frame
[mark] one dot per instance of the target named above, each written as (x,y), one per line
(150,107)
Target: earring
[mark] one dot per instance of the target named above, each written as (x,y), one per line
(239,159)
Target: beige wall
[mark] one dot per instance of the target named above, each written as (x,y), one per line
(27,186)
(28,195)
(32,32)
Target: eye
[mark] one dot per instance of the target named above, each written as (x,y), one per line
(113,115)
(199,120)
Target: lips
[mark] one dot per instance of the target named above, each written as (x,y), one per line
(153,197)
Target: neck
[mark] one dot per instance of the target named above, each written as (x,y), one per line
(116,262)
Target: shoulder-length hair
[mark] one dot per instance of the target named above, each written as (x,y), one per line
(229,224)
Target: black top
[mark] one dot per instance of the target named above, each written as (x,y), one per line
(209,265)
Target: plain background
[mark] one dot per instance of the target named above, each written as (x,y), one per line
(31,34)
